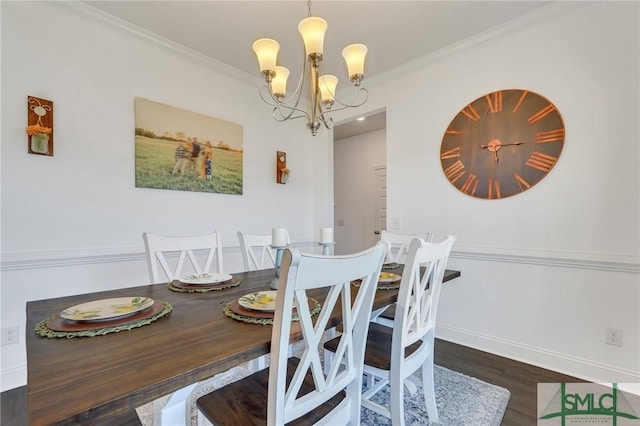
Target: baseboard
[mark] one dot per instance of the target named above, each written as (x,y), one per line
(572,366)
(12,378)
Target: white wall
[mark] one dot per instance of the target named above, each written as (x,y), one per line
(73,223)
(544,272)
(355,159)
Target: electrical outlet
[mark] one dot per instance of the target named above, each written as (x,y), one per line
(613,336)
(10,335)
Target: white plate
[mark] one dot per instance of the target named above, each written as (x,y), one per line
(260,301)
(99,310)
(203,279)
(387,277)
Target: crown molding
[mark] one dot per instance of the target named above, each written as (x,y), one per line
(542,14)
(86,11)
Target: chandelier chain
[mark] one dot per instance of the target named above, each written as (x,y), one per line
(309,8)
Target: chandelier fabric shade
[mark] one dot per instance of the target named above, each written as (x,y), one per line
(323,87)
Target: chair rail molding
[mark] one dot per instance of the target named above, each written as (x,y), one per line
(566,259)
(64,258)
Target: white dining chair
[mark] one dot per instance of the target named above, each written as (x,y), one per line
(168,259)
(393,354)
(399,247)
(297,389)
(168,255)
(400,244)
(258,254)
(256,250)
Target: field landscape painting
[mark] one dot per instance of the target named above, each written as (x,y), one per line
(183,150)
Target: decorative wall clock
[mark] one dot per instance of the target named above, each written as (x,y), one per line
(502,144)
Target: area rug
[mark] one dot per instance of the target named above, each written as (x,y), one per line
(461,400)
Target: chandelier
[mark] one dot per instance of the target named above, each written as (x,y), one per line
(323,87)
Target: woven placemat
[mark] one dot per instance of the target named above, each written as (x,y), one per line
(261,319)
(381,286)
(42,329)
(189,288)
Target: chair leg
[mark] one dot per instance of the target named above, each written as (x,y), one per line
(429,390)
(396,400)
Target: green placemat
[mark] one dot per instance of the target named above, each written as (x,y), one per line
(42,330)
(203,289)
(385,286)
(265,321)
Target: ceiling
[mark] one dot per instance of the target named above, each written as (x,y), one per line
(396,32)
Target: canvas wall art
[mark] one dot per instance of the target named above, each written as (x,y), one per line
(183,150)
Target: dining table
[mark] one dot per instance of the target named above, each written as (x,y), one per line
(102,379)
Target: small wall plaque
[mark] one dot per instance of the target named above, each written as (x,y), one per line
(282,172)
(39,126)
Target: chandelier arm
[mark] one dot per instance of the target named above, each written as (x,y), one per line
(327,121)
(276,111)
(352,104)
(297,93)
(279,106)
(289,114)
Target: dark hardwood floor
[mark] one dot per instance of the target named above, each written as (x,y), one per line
(521,380)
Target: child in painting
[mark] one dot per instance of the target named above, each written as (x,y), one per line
(206,167)
(182,158)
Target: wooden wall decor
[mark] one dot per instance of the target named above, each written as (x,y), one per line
(282,172)
(39,126)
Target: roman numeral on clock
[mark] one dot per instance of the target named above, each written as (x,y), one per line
(455,171)
(452,153)
(470,185)
(542,162)
(522,184)
(495,101)
(541,114)
(471,112)
(494,189)
(454,132)
(550,136)
(517,107)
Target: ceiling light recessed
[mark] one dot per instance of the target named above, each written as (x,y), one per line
(360,118)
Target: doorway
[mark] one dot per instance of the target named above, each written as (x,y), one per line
(359,155)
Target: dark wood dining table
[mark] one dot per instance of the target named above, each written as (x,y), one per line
(102,379)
